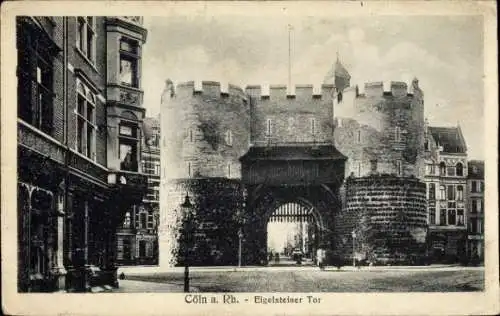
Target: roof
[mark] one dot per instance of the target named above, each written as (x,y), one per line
(476,169)
(320,152)
(450,138)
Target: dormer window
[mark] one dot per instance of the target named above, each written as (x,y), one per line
(129,59)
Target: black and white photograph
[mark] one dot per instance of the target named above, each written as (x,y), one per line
(265,156)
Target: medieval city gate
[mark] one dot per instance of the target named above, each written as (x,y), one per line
(309,176)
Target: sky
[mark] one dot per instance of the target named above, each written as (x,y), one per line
(445,53)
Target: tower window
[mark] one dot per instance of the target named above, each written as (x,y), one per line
(397,134)
(399,167)
(229,138)
(269,127)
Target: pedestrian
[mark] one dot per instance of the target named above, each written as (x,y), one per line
(320,257)
(270,256)
(276,258)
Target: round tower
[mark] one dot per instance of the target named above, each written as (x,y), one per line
(204,131)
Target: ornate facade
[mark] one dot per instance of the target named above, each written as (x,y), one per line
(79,119)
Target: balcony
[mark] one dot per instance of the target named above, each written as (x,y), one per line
(125,95)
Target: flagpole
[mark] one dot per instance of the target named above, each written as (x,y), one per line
(289,58)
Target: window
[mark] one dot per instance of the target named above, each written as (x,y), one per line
(473,225)
(128,140)
(452,220)
(442,217)
(35,77)
(373,165)
(127,221)
(85,36)
(432,191)
(397,134)
(143,220)
(85,121)
(129,59)
(451,192)
(481,186)
(442,169)
(450,171)
(313,125)
(399,166)
(269,127)
(191,135)
(229,138)
(460,217)
(460,193)
(431,169)
(442,192)
(460,169)
(473,187)
(432,216)
(359,136)
(474,206)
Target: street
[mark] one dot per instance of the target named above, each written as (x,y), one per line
(311,279)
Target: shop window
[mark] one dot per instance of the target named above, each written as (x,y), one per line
(128,140)
(129,59)
(86,36)
(35,78)
(85,121)
(460,169)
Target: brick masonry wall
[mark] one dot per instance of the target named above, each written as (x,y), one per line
(369,131)
(388,215)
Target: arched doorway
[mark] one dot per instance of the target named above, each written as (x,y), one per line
(293,233)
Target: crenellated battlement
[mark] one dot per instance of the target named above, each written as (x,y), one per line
(210,88)
(280,92)
(395,89)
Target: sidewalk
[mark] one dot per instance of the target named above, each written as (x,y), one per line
(131,286)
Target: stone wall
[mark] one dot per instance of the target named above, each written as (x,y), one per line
(388,215)
(213,234)
(379,129)
(279,118)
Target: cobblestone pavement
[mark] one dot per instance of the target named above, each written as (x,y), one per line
(311,279)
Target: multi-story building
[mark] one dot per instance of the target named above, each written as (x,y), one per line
(475,211)
(137,237)
(446,180)
(79,119)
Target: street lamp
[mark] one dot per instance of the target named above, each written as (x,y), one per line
(186,209)
(353,234)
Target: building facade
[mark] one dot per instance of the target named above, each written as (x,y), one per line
(239,155)
(79,121)
(137,236)
(475,211)
(446,179)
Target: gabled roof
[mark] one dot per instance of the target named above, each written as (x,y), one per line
(450,138)
(476,169)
